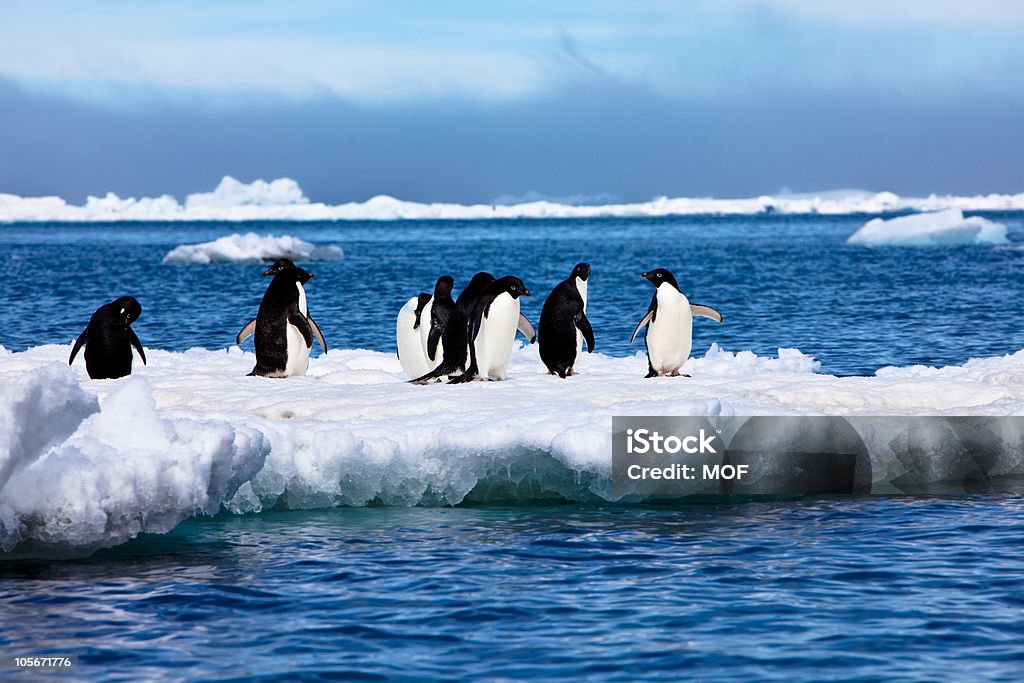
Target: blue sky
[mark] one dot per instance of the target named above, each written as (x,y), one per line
(469,101)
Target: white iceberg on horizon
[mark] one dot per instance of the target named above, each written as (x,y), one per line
(937,228)
(252,248)
(283,200)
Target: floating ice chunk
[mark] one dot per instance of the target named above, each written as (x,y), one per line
(96,462)
(252,248)
(939,228)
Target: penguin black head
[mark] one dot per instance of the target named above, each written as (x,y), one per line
(443,287)
(513,285)
(659,276)
(582,271)
(127,310)
(286,266)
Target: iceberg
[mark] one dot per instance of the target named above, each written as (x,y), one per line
(86,464)
(252,248)
(283,200)
(938,228)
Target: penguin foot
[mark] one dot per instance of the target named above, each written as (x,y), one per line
(676,373)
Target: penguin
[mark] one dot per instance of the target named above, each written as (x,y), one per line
(669,323)
(109,338)
(564,324)
(496,318)
(446,345)
(411,332)
(283,328)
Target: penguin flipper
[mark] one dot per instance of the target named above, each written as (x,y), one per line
(432,341)
(643,323)
(79,343)
(527,329)
(137,344)
(583,325)
(299,322)
(706,311)
(316,333)
(246,332)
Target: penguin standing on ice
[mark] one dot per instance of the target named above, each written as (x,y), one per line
(411,332)
(446,343)
(669,322)
(109,339)
(283,328)
(496,318)
(564,325)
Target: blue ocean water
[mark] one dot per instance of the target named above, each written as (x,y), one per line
(780,281)
(858,590)
(853,590)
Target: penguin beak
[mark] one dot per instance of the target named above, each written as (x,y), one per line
(643,276)
(527,292)
(269,271)
(312,277)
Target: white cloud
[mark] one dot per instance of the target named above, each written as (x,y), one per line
(373,53)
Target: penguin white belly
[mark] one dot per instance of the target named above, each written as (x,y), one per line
(496,336)
(298,353)
(412,342)
(670,335)
(581,287)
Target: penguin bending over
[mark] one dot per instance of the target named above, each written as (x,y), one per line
(496,319)
(411,331)
(446,345)
(564,324)
(669,323)
(283,327)
(109,338)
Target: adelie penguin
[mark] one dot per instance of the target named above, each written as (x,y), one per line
(564,325)
(109,339)
(493,326)
(669,322)
(411,331)
(283,328)
(445,340)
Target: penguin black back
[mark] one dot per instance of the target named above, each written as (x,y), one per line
(468,297)
(560,319)
(448,326)
(109,339)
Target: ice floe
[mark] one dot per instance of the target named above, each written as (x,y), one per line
(938,228)
(86,464)
(283,199)
(252,248)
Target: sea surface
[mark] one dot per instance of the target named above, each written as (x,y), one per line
(857,589)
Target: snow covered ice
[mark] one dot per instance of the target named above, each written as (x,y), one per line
(87,464)
(283,199)
(937,228)
(252,248)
